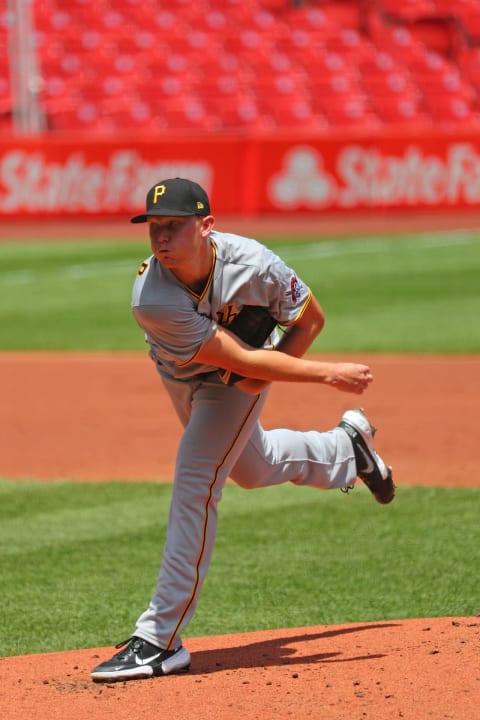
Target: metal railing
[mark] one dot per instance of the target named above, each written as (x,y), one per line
(28,117)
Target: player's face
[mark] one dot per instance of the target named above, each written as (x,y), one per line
(176,241)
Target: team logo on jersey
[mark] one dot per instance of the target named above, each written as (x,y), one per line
(295,289)
(142,269)
(226,315)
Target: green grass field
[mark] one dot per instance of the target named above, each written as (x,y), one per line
(389,294)
(79,561)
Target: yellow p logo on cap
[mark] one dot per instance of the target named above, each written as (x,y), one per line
(158,192)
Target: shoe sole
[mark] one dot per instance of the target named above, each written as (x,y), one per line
(136,674)
(169,666)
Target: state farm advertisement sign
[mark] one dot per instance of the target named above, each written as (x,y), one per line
(79,182)
(362,177)
(67,178)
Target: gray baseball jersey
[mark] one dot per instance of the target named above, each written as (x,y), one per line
(177,322)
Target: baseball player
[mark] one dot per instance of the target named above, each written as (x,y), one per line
(200,299)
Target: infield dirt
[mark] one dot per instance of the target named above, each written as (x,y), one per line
(90,417)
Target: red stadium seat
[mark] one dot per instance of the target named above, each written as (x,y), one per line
(124,112)
(468,60)
(294,113)
(54,20)
(400,110)
(452,110)
(314,17)
(6,115)
(309,17)
(409,9)
(241,112)
(352,111)
(471,24)
(396,84)
(378,64)
(189,119)
(61,118)
(449,84)
(438,34)
(334,84)
(263,66)
(85,116)
(174,114)
(69,66)
(215,87)
(328,62)
(248,40)
(279,85)
(425,62)
(300,41)
(349,43)
(53,87)
(343,13)
(466,12)
(435,75)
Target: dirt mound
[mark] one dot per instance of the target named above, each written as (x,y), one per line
(413,669)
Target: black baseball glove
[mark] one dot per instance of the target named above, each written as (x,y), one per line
(253,325)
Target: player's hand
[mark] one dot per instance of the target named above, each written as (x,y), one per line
(350,377)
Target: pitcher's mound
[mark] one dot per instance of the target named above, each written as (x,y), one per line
(413,669)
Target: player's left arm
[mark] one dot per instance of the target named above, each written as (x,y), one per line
(300,335)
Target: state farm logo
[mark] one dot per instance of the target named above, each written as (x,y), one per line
(366,176)
(33,181)
(303,181)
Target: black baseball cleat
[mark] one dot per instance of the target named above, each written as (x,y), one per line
(140,659)
(370,467)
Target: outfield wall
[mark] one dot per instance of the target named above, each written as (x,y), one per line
(80,176)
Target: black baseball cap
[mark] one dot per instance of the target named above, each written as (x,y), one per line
(175,197)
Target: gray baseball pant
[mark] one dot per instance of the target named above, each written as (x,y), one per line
(223,438)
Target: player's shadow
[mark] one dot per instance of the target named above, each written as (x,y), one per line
(277,651)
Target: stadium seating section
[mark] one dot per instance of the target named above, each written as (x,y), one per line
(218,65)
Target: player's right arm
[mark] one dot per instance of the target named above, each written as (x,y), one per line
(225,350)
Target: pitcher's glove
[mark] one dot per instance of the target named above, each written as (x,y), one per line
(253,325)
